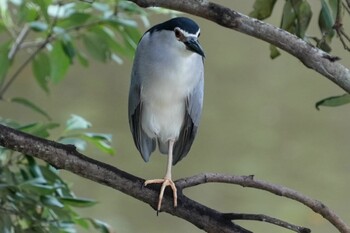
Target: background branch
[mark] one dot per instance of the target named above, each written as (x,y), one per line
(309,55)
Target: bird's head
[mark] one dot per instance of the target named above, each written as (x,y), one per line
(185,31)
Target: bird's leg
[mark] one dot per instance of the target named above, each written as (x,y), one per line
(167,181)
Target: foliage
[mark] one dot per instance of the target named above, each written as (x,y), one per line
(296,16)
(51,36)
(33,197)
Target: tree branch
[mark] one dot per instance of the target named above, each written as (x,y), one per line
(249,181)
(66,157)
(309,55)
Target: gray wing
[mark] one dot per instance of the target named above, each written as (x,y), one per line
(194,105)
(144,144)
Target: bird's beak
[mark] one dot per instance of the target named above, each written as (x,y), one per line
(193,45)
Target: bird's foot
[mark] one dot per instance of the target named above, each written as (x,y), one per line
(165,182)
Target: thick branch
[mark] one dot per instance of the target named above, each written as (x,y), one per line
(310,56)
(66,157)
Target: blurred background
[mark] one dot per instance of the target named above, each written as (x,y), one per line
(259,118)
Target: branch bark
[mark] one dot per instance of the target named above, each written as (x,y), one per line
(68,158)
(310,56)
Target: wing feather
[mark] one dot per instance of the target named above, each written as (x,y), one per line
(194,105)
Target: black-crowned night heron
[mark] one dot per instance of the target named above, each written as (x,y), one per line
(166,93)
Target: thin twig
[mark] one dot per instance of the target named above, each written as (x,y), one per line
(19,39)
(265,218)
(249,181)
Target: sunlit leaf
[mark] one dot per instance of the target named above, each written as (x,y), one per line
(38,26)
(31,105)
(101,141)
(77,122)
(333,101)
(59,62)
(41,70)
(262,9)
(80,144)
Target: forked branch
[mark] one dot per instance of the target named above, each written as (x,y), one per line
(66,157)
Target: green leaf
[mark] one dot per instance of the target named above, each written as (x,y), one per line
(101,141)
(38,26)
(304,15)
(96,46)
(41,189)
(68,49)
(82,59)
(4,60)
(327,18)
(39,129)
(31,105)
(51,201)
(74,20)
(77,142)
(262,9)
(77,202)
(101,226)
(43,5)
(288,17)
(41,70)
(59,62)
(333,101)
(77,122)
(274,52)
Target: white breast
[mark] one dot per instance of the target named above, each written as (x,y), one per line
(168,76)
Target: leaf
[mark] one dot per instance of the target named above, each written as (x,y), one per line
(96,46)
(76,19)
(101,141)
(51,201)
(38,26)
(43,5)
(274,52)
(68,49)
(77,122)
(31,105)
(327,18)
(41,70)
(262,9)
(59,62)
(77,202)
(333,101)
(39,129)
(304,15)
(4,60)
(77,142)
(41,189)
(82,59)
(101,226)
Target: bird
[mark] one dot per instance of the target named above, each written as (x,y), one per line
(166,94)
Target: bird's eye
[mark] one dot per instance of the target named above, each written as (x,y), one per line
(177,33)
(199,34)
